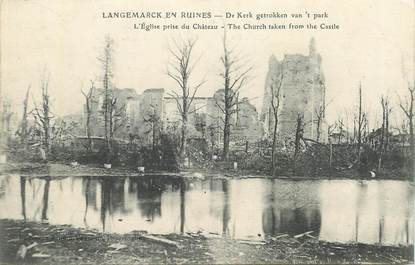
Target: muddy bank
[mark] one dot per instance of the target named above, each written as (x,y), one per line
(66,170)
(29,242)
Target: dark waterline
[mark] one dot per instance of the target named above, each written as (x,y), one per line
(336,210)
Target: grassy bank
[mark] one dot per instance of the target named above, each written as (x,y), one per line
(52,244)
(220,170)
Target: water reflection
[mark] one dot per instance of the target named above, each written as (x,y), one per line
(292,208)
(23,196)
(336,210)
(45,201)
(182,205)
(226,210)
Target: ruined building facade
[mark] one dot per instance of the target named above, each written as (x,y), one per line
(302,95)
(140,115)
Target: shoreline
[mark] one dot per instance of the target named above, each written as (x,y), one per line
(30,169)
(52,244)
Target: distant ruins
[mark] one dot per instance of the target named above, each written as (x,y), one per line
(137,114)
(302,95)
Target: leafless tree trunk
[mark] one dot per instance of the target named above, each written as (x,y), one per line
(360,119)
(117,117)
(45,201)
(408,108)
(111,112)
(330,131)
(275,105)
(320,113)
(361,123)
(153,121)
(24,126)
(340,126)
(383,144)
(299,131)
(6,118)
(43,114)
(361,126)
(236,76)
(107,60)
(88,101)
(46,117)
(180,70)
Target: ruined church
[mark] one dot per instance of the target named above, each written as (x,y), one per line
(302,95)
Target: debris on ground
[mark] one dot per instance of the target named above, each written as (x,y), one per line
(63,244)
(116,246)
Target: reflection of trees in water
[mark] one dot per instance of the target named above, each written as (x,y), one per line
(4,183)
(86,192)
(149,196)
(217,185)
(219,190)
(112,197)
(35,185)
(115,191)
(23,196)
(89,189)
(291,221)
(182,205)
(118,196)
(215,205)
(361,198)
(148,191)
(292,217)
(105,201)
(226,208)
(45,201)
(408,210)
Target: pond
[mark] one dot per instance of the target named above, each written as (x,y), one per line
(346,211)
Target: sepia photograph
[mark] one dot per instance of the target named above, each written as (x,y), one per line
(207,132)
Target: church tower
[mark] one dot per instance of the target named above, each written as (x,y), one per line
(302,93)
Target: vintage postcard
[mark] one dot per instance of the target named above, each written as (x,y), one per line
(207,132)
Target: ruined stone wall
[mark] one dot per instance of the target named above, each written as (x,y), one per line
(128,104)
(154,104)
(198,108)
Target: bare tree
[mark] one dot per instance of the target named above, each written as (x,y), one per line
(6,119)
(180,70)
(340,126)
(361,121)
(275,105)
(330,131)
(43,114)
(62,130)
(320,114)
(88,102)
(152,120)
(235,75)
(117,117)
(384,133)
(24,125)
(407,106)
(107,63)
(360,118)
(299,132)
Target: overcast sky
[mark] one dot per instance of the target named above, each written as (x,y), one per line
(375,45)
